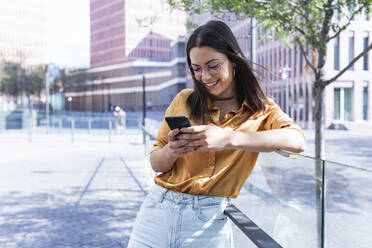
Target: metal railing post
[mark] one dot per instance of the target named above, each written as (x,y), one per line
(30,130)
(60,125)
(323,202)
(89,125)
(319,200)
(109,131)
(72,130)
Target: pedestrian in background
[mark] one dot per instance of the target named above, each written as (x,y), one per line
(203,166)
(120,116)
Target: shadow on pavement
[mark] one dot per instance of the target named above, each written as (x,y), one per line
(51,220)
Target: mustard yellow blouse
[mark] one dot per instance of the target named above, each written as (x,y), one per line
(217,173)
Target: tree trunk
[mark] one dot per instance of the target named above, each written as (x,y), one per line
(319,162)
(319,121)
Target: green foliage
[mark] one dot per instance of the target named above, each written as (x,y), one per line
(17,80)
(312,22)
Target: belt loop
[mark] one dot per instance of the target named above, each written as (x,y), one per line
(162,195)
(196,202)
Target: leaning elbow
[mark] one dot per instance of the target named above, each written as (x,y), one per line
(300,150)
(300,147)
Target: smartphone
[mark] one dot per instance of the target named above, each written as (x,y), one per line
(178,121)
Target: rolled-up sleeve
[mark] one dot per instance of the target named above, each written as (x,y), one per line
(278,119)
(162,136)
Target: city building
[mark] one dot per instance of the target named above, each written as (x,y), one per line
(122,30)
(136,46)
(23,31)
(123,84)
(348,100)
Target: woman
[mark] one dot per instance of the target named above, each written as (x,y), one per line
(205,165)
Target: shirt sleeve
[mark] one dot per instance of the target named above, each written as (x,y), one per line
(278,119)
(162,136)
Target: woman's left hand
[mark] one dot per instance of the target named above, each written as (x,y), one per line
(206,137)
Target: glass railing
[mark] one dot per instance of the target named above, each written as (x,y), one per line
(299,201)
(280,197)
(348,215)
(70,126)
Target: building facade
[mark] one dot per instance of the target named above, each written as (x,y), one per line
(123,84)
(23,31)
(289,80)
(122,30)
(136,46)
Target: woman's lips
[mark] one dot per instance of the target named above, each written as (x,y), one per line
(211,84)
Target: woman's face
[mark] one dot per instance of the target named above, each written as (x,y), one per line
(213,70)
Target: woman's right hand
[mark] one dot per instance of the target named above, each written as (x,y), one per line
(177,148)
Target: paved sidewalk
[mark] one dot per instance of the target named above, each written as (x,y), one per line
(70,195)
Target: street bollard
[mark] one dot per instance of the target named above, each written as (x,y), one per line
(89,125)
(72,130)
(109,131)
(30,131)
(60,125)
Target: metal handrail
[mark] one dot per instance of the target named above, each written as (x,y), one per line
(258,236)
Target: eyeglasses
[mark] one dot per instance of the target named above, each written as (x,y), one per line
(212,68)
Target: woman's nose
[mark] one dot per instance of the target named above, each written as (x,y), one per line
(205,74)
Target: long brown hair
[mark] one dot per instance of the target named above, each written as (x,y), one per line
(217,35)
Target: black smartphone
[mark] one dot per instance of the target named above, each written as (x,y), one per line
(177,121)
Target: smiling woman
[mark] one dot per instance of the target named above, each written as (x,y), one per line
(204,165)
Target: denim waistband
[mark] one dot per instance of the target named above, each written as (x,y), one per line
(160,194)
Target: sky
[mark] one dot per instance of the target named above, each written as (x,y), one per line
(68,33)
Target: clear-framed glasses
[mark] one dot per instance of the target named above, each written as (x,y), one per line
(213,67)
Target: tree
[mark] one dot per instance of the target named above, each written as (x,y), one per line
(10,83)
(17,80)
(312,23)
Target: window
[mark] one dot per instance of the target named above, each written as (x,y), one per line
(307,100)
(365,45)
(271,65)
(295,62)
(351,48)
(290,62)
(365,103)
(347,104)
(275,65)
(285,57)
(301,63)
(342,104)
(301,102)
(336,58)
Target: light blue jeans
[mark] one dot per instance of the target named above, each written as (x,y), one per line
(176,220)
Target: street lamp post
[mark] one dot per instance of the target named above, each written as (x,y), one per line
(109,95)
(47,98)
(143,100)
(93,103)
(143,105)
(285,76)
(103,95)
